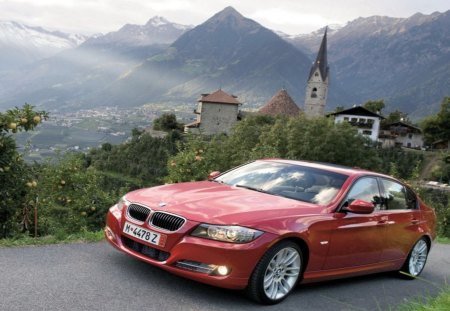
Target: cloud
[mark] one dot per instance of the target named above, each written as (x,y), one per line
(292,19)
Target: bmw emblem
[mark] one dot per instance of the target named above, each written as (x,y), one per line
(162,204)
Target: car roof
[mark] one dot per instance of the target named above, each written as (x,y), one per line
(346,170)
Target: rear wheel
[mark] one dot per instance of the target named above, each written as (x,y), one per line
(416,260)
(276,274)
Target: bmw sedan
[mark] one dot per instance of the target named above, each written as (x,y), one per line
(267,225)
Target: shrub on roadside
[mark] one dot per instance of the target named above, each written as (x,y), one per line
(440,201)
(70,198)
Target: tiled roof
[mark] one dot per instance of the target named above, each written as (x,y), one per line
(219,97)
(280,104)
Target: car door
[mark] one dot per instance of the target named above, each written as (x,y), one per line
(357,239)
(402,220)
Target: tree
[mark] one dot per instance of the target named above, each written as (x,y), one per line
(437,127)
(15,177)
(374,105)
(167,122)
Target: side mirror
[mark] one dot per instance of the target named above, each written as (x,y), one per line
(213,175)
(359,207)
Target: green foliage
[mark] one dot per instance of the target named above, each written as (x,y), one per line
(374,105)
(143,158)
(167,122)
(440,201)
(14,173)
(395,116)
(399,163)
(439,303)
(441,170)
(69,197)
(438,127)
(25,239)
(267,137)
(21,119)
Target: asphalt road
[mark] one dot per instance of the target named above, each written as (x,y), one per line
(97,277)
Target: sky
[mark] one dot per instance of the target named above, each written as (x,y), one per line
(290,16)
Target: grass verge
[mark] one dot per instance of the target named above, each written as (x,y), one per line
(443,240)
(24,240)
(439,303)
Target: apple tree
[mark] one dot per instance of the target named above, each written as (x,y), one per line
(14,173)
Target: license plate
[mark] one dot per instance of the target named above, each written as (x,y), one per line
(144,234)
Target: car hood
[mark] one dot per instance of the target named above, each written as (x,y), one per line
(212,202)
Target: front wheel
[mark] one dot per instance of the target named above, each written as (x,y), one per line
(276,274)
(416,260)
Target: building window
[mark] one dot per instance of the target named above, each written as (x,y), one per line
(354,120)
(345,118)
(366,132)
(410,136)
(314,93)
(316,74)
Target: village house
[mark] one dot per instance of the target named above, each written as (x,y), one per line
(366,121)
(216,113)
(401,134)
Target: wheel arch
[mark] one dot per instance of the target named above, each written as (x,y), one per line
(303,247)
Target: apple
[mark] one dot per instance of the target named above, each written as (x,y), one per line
(34,183)
(24,121)
(37,119)
(12,125)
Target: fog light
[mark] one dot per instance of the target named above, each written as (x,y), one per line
(109,233)
(222,270)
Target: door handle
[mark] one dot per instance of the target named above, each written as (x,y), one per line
(415,221)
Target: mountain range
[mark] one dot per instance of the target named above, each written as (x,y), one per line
(405,61)
(21,44)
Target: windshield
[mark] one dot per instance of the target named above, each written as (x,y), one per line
(288,180)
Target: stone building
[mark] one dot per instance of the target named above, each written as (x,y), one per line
(280,104)
(216,113)
(317,86)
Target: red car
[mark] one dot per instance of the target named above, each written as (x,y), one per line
(269,224)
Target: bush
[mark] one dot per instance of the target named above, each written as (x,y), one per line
(71,198)
(143,158)
(440,201)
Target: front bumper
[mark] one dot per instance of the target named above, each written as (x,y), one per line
(181,247)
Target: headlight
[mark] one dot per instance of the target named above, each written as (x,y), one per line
(233,234)
(122,203)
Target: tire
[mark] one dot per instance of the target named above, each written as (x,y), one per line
(416,260)
(276,274)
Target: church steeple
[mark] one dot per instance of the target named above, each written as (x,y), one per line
(317,87)
(321,62)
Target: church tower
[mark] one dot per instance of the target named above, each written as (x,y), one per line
(317,87)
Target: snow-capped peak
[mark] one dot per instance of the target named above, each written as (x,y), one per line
(157,21)
(12,32)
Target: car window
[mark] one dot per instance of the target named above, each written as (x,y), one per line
(365,189)
(411,199)
(394,195)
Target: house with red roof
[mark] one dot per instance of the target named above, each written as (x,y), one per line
(216,113)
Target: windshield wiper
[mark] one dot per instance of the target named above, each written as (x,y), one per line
(253,188)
